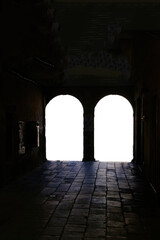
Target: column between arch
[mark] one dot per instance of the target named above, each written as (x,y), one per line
(88,150)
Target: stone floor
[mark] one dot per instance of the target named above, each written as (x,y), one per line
(80,200)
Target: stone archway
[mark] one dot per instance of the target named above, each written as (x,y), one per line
(64,128)
(113,134)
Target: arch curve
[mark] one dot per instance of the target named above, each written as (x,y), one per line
(113,136)
(64,128)
(127,98)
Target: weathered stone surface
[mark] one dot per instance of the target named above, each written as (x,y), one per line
(91,212)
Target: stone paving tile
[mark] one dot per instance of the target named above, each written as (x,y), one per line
(57,222)
(80,201)
(92,238)
(116,231)
(53,231)
(115,217)
(71,237)
(65,205)
(81,206)
(63,187)
(80,220)
(75,228)
(61,213)
(95,233)
(115,224)
(97,211)
(97,217)
(117,238)
(114,203)
(45,237)
(79,212)
(96,224)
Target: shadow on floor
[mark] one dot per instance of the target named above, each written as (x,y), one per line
(80,200)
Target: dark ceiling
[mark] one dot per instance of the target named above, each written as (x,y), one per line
(98,37)
(93,39)
(84,24)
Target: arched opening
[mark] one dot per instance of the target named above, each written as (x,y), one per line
(113,135)
(64,129)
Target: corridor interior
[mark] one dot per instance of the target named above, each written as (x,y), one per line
(73,200)
(88,49)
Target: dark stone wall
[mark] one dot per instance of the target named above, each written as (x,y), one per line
(22,104)
(91,95)
(32,55)
(147,97)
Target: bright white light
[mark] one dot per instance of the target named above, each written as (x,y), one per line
(64,129)
(113,136)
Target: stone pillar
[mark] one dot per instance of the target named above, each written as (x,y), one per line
(88,135)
